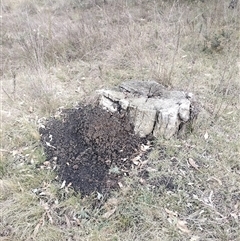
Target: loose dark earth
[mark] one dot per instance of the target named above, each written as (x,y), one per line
(91,147)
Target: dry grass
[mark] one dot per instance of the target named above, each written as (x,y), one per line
(55,53)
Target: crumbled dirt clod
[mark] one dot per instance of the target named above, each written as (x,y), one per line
(92,146)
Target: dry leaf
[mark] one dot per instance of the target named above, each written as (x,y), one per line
(15,152)
(216,179)
(144,147)
(182,225)
(120,184)
(63,184)
(206,136)
(109,213)
(99,196)
(50,218)
(46,163)
(77,221)
(193,163)
(136,159)
(30,109)
(48,144)
(150,169)
(47,209)
(112,202)
(67,221)
(236,213)
(142,181)
(143,163)
(195,238)
(171,213)
(36,229)
(173,218)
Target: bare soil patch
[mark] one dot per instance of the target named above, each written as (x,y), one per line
(92,148)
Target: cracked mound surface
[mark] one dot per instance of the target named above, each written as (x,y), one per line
(87,143)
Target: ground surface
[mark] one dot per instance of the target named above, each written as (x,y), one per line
(55,54)
(86,144)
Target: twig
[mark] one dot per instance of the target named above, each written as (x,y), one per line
(7,95)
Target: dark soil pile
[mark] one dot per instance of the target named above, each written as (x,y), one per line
(87,144)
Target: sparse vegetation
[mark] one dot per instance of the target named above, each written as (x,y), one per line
(56,53)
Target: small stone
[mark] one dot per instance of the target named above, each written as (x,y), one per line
(75,167)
